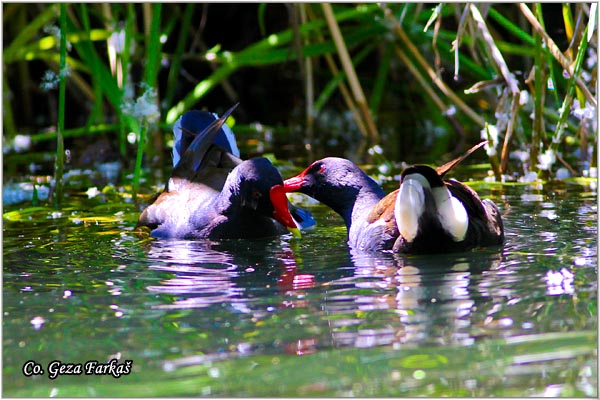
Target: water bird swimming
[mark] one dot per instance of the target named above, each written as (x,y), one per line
(212,193)
(426,214)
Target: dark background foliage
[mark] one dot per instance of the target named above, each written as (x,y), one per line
(411,125)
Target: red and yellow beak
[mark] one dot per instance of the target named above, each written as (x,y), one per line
(282,211)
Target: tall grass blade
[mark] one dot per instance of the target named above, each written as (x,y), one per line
(539,93)
(337,81)
(275,49)
(338,78)
(27,34)
(60,146)
(125,61)
(175,67)
(142,138)
(511,27)
(97,112)
(346,61)
(8,122)
(555,51)
(565,109)
(414,51)
(143,107)
(381,79)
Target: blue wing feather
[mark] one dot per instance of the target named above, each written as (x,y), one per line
(192,123)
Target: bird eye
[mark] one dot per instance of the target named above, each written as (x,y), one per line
(256,195)
(318,168)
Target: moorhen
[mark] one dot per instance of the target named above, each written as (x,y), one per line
(196,121)
(212,194)
(426,214)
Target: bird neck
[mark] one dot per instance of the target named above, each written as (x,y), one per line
(361,200)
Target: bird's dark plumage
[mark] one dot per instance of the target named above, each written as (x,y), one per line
(214,194)
(427,214)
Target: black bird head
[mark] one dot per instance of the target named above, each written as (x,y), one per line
(256,186)
(336,182)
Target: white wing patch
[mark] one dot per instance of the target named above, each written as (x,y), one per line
(410,204)
(452,213)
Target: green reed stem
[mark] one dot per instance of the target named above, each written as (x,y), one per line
(342,87)
(10,53)
(262,8)
(381,79)
(153,47)
(8,120)
(511,27)
(565,109)
(124,59)
(150,77)
(75,132)
(348,67)
(555,51)
(570,32)
(328,90)
(60,146)
(441,85)
(539,94)
(275,49)
(175,67)
(96,112)
(548,55)
(142,139)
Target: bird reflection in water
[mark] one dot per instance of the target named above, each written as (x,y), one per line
(406,297)
(218,272)
(202,275)
(244,276)
(385,299)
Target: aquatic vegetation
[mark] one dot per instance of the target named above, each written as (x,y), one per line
(424,80)
(91,92)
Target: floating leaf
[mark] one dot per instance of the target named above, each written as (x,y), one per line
(420,361)
(26,213)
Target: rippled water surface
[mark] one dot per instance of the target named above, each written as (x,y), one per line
(288,317)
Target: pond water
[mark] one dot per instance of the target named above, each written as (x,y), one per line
(289,317)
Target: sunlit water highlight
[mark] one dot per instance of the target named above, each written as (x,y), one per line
(287,317)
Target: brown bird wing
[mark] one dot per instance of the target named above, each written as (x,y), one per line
(384,209)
